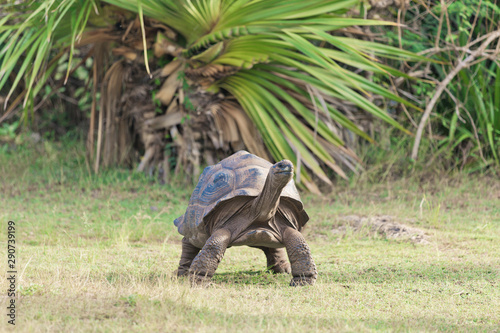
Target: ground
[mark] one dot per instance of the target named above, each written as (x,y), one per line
(97,253)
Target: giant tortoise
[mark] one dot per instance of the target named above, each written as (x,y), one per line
(245,200)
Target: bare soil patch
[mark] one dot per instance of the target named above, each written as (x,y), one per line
(384,225)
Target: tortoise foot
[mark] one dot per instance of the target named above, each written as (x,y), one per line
(199,280)
(300,281)
(283,268)
(181,272)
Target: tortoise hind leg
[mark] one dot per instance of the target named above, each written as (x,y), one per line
(188,254)
(276,259)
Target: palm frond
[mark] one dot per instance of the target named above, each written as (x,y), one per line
(40,27)
(278,59)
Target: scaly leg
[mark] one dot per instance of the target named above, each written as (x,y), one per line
(303,268)
(206,262)
(276,259)
(188,254)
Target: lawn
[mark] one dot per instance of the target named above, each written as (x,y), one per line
(97,253)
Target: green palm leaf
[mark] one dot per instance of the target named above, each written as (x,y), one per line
(280,52)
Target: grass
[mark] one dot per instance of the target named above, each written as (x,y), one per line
(97,253)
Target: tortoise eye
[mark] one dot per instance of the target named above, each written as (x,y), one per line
(281,164)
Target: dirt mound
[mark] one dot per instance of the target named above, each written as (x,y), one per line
(384,225)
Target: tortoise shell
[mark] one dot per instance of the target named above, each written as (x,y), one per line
(239,175)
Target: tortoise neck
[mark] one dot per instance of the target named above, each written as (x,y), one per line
(266,204)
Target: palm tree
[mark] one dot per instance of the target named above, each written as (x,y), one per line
(273,76)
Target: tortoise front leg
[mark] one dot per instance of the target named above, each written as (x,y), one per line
(206,262)
(189,252)
(303,267)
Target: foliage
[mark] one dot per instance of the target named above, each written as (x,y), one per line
(29,32)
(280,61)
(467,117)
(8,131)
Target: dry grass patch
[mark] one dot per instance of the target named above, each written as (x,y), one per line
(123,289)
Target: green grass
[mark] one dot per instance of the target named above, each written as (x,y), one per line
(97,253)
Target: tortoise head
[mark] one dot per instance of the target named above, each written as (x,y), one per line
(281,173)
(266,204)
